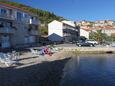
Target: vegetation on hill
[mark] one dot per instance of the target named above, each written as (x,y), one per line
(44,16)
(101,37)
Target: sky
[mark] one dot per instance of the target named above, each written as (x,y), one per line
(76,10)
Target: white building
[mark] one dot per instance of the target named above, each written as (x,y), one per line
(109,30)
(84,32)
(63,31)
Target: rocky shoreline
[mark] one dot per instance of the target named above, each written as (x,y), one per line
(43,73)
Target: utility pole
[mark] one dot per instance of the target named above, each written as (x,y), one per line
(78,30)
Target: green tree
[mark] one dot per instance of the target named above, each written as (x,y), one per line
(99,36)
(82,38)
(112,38)
(44,30)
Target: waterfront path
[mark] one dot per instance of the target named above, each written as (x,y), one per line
(97,49)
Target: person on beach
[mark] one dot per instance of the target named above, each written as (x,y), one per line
(42,51)
(47,51)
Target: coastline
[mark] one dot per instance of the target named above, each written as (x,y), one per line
(90,50)
(42,71)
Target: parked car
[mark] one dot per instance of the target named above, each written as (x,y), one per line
(106,43)
(112,44)
(86,44)
(73,42)
(92,41)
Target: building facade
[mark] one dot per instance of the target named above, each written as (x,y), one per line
(18,27)
(108,30)
(65,31)
(84,32)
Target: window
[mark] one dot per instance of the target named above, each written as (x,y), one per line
(19,16)
(3,11)
(32,18)
(9,24)
(25,15)
(1,24)
(10,12)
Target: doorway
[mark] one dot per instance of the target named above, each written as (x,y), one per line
(5,41)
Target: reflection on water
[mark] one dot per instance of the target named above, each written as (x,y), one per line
(89,70)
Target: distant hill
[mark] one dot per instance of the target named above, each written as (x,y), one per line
(44,16)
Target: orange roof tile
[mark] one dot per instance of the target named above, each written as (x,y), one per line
(112,34)
(87,29)
(14,7)
(100,28)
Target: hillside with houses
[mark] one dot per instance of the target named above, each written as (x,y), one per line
(97,24)
(54,27)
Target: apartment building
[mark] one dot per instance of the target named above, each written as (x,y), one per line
(84,32)
(109,30)
(18,27)
(66,31)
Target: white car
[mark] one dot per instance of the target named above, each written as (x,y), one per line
(92,41)
(113,44)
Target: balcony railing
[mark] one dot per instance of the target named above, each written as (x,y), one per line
(66,34)
(34,32)
(21,20)
(25,20)
(6,16)
(7,30)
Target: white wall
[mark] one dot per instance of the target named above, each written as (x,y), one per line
(71,23)
(55,31)
(84,33)
(108,31)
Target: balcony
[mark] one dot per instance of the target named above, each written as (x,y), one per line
(36,22)
(25,20)
(7,30)
(22,20)
(66,34)
(34,32)
(6,16)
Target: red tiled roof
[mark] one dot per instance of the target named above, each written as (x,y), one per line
(86,29)
(103,28)
(100,28)
(14,7)
(109,27)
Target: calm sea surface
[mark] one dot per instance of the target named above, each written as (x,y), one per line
(89,70)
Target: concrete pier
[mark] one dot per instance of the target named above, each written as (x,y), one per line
(90,49)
